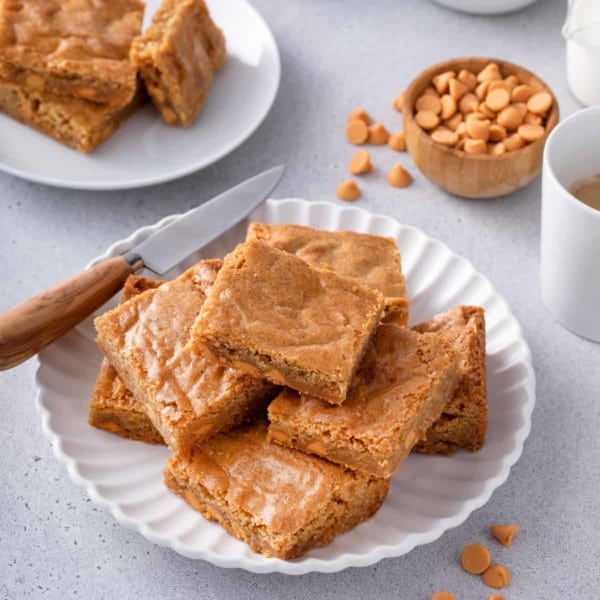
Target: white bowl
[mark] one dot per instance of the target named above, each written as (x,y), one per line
(486,7)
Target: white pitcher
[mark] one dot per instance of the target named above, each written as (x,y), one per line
(582,32)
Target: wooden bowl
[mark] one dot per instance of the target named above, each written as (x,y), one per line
(473,175)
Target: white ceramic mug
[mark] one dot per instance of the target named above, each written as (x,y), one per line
(570,236)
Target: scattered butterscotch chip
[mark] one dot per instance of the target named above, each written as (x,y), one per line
(510,118)
(497,576)
(360,163)
(442,81)
(468,103)
(497,99)
(397,141)
(489,73)
(475,559)
(357,132)
(398,101)
(360,114)
(521,93)
(398,176)
(443,596)
(496,597)
(457,89)
(504,533)
(445,136)
(427,120)
(531,133)
(347,190)
(432,103)
(378,135)
(468,78)
(539,103)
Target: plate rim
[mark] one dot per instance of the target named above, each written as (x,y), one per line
(309,564)
(139,183)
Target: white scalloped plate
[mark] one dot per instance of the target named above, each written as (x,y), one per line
(429,495)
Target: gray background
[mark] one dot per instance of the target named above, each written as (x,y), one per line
(336,55)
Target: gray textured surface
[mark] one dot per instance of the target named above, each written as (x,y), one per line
(336,56)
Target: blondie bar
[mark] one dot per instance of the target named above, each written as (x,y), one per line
(274,316)
(112,406)
(280,502)
(77,123)
(72,48)
(176,57)
(188,397)
(402,386)
(369,259)
(464,421)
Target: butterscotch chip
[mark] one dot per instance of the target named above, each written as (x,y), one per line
(398,176)
(445,137)
(482,89)
(347,190)
(539,103)
(378,135)
(513,142)
(475,146)
(432,103)
(487,111)
(499,83)
(496,597)
(504,533)
(521,108)
(448,107)
(442,81)
(521,93)
(533,119)
(475,559)
(454,122)
(427,119)
(498,149)
(360,114)
(461,129)
(489,73)
(468,103)
(430,91)
(360,163)
(443,596)
(398,101)
(357,132)
(497,99)
(531,133)
(478,129)
(468,78)
(457,89)
(510,118)
(497,576)
(511,81)
(497,132)
(397,141)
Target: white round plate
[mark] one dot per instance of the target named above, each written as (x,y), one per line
(144,151)
(486,7)
(429,495)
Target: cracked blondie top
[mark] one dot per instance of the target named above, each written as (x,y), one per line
(464,421)
(273,315)
(77,48)
(401,387)
(280,502)
(112,406)
(188,396)
(176,57)
(372,260)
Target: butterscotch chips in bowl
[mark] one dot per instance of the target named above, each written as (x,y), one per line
(477,126)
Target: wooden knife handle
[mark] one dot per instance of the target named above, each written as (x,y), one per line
(32,325)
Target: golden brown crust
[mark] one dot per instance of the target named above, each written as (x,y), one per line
(176,57)
(188,397)
(371,260)
(401,387)
(282,503)
(273,315)
(76,48)
(77,123)
(112,406)
(464,421)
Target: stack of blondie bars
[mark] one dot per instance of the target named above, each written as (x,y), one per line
(285,376)
(69,68)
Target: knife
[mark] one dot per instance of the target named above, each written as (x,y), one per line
(32,325)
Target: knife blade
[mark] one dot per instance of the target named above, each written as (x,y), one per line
(37,322)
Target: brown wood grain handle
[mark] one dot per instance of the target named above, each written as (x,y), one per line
(32,325)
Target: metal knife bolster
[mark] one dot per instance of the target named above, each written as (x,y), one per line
(134,260)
